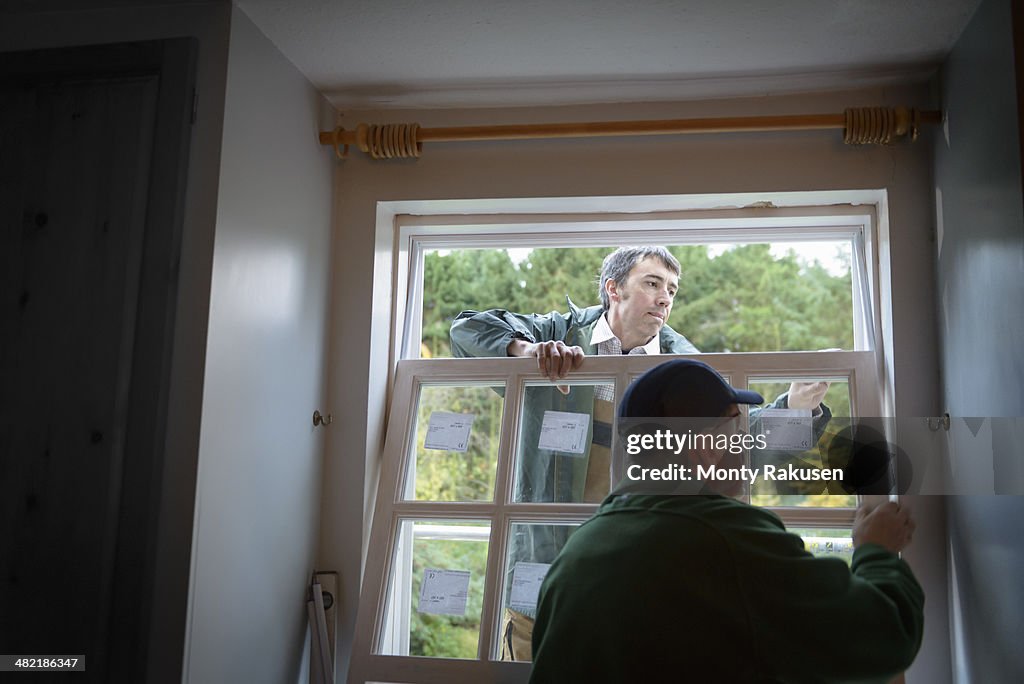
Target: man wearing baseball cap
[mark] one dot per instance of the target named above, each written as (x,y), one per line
(699,587)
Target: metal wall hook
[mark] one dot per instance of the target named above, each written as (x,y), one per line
(935,423)
(319,419)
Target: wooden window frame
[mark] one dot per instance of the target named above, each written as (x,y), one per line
(859,367)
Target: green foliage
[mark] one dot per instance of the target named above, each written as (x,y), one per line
(465,279)
(551,274)
(746,300)
(742,300)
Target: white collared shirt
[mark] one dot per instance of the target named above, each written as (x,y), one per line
(603,334)
(608,344)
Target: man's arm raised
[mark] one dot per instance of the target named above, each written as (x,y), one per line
(889,525)
(807,395)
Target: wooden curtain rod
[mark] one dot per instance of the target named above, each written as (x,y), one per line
(861,126)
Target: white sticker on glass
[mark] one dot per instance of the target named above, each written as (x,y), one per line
(526,580)
(562,431)
(825,545)
(448,431)
(444,592)
(789,429)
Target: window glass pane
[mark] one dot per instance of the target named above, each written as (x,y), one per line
(456,448)
(828,542)
(531,549)
(564,448)
(777,296)
(435,595)
(819,431)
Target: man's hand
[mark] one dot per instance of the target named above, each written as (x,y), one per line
(888,525)
(806,395)
(554,359)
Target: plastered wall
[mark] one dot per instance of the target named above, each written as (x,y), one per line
(980,276)
(258,486)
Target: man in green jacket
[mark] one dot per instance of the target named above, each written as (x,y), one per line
(700,587)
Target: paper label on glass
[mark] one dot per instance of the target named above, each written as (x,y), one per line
(526,580)
(448,431)
(562,431)
(823,545)
(444,592)
(789,429)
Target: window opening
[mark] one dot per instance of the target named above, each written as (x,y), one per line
(733,297)
(487,514)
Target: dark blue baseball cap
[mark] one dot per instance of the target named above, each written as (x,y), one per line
(682,388)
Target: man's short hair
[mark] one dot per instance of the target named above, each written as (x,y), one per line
(618,264)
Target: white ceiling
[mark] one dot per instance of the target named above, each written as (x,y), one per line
(453,53)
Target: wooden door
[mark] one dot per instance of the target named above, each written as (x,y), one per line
(76,237)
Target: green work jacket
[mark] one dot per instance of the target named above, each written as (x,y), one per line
(488,333)
(709,589)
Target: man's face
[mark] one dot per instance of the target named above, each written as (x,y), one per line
(641,305)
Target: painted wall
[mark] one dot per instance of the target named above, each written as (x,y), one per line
(60,24)
(980,276)
(258,490)
(798,161)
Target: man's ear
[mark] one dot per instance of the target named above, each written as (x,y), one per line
(612,288)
